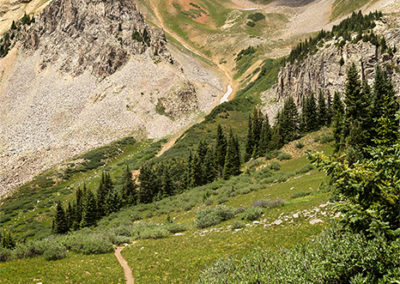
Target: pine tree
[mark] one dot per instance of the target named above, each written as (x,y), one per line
(60,221)
(69,215)
(385,106)
(232,159)
(196,178)
(209,166)
(102,192)
(89,213)
(220,150)
(310,114)
(265,138)
(257,128)
(7,241)
(250,140)
(78,209)
(322,110)
(147,182)
(167,187)
(329,109)
(113,201)
(289,121)
(129,192)
(358,109)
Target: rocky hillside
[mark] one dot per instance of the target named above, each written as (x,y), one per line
(87,73)
(326,68)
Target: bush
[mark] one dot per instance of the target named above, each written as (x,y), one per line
(237,225)
(175,228)
(300,194)
(55,251)
(299,145)
(96,246)
(284,156)
(334,257)
(252,213)
(326,138)
(213,216)
(272,154)
(256,17)
(153,233)
(305,169)
(266,203)
(5,254)
(275,166)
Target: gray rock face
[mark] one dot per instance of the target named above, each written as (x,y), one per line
(92,34)
(322,70)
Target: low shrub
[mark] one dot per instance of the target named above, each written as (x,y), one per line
(5,254)
(300,194)
(175,228)
(237,225)
(299,145)
(251,214)
(156,232)
(275,166)
(272,154)
(305,169)
(284,156)
(55,251)
(326,138)
(213,216)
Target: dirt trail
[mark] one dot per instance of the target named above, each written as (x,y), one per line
(127,270)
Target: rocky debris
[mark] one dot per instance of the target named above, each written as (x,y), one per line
(323,71)
(314,215)
(95,35)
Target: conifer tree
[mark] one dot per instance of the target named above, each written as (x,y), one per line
(250,140)
(209,166)
(60,221)
(322,110)
(78,208)
(329,109)
(197,170)
(89,213)
(232,159)
(113,201)
(147,182)
(385,105)
(69,215)
(167,187)
(310,114)
(129,192)
(220,150)
(101,196)
(289,121)
(265,138)
(7,241)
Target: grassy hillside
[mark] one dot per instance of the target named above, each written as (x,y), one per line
(165,251)
(344,7)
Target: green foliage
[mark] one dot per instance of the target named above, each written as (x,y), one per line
(256,17)
(284,156)
(251,214)
(55,252)
(357,22)
(251,24)
(335,257)
(213,216)
(299,145)
(300,194)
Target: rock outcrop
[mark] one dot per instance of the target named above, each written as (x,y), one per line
(89,72)
(92,34)
(324,71)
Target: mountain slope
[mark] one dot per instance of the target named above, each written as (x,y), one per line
(87,73)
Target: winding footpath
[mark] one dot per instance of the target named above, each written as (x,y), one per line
(127,270)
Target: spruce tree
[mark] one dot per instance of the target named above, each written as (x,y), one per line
(310,114)
(220,150)
(329,109)
(60,221)
(89,213)
(209,166)
(385,105)
(322,110)
(7,241)
(289,121)
(101,196)
(147,181)
(113,201)
(129,192)
(232,159)
(250,140)
(265,138)
(167,187)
